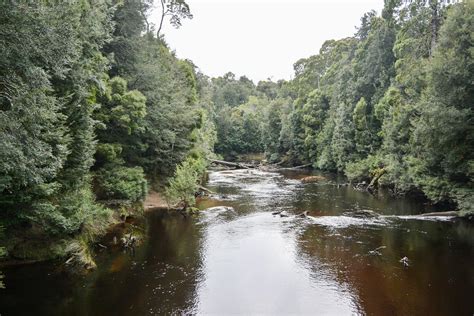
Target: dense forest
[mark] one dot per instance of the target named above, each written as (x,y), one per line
(393,103)
(96,109)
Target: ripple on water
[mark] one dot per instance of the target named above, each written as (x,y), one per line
(347,221)
(257,257)
(263,188)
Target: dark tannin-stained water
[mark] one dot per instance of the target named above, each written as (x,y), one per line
(247,261)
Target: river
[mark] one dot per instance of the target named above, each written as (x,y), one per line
(244,260)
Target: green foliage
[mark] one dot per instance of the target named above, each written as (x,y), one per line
(183,186)
(239,129)
(51,65)
(91,97)
(363,170)
(87,98)
(398,95)
(66,213)
(122,183)
(177,10)
(443,134)
(273,129)
(231,92)
(172,114)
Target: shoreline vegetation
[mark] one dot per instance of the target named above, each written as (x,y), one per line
(97,114)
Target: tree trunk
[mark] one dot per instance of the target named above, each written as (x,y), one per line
(206,190)
(434,4)
(297,167)
(379,173)
(163,14)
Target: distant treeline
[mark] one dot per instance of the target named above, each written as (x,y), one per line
(395,99)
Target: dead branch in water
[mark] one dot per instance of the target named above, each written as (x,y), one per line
(290,168)
(201,188)
(297,167)
(231,164)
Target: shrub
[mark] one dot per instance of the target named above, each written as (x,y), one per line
(68,213)
(122,183)
(363,170)
(184,184)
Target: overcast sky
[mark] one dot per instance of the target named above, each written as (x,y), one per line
(261,38)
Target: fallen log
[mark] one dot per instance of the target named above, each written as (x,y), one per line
(448,213)
(230,164)
(201,188)
(297,167)
(303,214)
(272,168)
(361,214)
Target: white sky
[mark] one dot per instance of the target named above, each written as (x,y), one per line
(261,38)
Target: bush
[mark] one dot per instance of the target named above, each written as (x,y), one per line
(184,185)
(68,213)
(363,170)
(122,183)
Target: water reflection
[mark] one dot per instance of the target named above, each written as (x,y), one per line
(159,278)
(330,263)
(252,265)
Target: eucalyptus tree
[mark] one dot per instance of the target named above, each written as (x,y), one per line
(176,10)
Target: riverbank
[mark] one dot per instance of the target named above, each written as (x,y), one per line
(34,245)
(156,201)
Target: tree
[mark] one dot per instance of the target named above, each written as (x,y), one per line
(314,116)
(121,115)
(48,96)
(177,10)
(185,182)
(443,136)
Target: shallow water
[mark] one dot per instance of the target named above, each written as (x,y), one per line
(248,261)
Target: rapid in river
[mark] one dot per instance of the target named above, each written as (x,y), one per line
(246,259)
